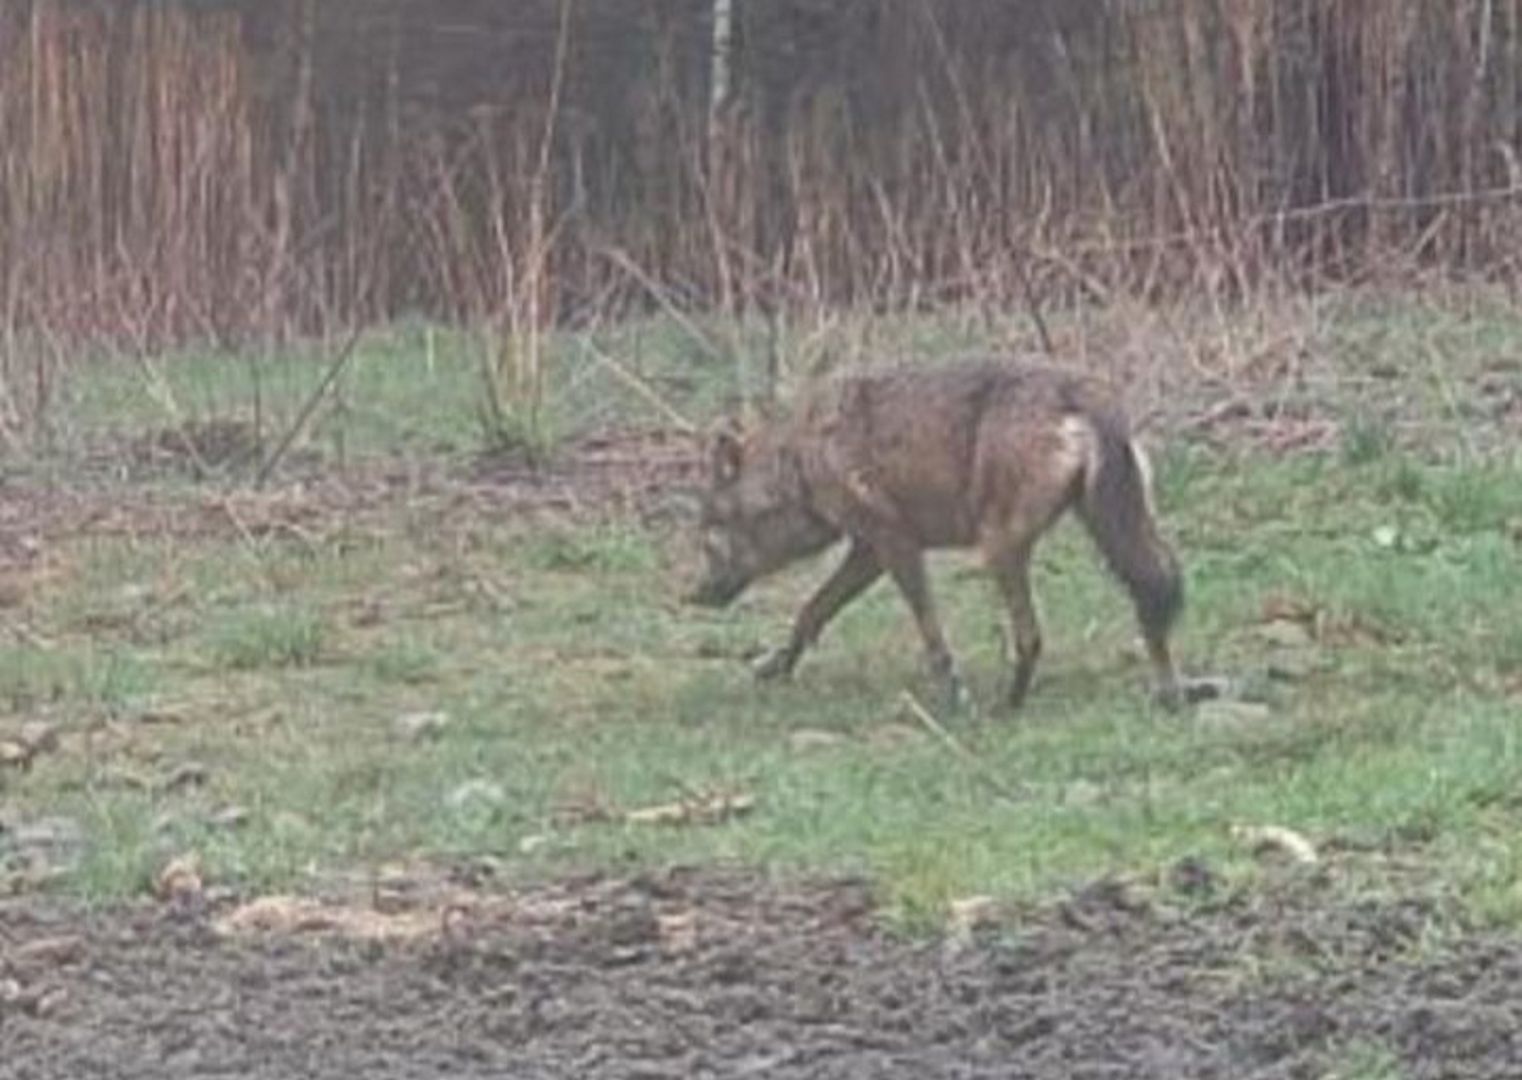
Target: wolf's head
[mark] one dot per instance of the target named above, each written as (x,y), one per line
(755,516)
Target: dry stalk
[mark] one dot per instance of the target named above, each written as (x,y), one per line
(951,743)
(161,183)
(641,388)
(309,407)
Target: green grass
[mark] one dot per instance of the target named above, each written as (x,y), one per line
(267,638)
(594,691)
(575,687)
(1364,1059)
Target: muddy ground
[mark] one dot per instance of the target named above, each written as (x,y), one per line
(718,974)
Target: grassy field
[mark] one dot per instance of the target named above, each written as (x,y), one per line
(426,676)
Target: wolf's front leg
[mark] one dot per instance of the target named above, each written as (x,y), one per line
(851,578)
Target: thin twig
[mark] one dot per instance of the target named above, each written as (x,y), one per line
(316,398)
(1029,289)
(967,757)
(659,293)
(640,387)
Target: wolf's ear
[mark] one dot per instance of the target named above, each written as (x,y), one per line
(726,452)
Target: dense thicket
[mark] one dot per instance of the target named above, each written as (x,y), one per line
(244,167)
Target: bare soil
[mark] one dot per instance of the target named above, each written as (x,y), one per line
(721,974)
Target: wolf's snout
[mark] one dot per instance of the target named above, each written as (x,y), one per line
(714,592)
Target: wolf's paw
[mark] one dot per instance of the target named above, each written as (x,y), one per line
(957,700)
(774,666)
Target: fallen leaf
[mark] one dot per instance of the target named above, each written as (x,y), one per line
(48,951)
(1357,629)
(971,912)
(121,776)
(231,816)
(678,931)
(701,809)
(1277,838)
(46,1002)
(967,915)
(190,774)
(285,914)
(166,714)
(180,879)
(1280,606)
(291,915)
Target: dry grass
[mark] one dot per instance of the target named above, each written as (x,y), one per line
(164,180)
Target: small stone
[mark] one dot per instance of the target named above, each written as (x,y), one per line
(532,843)
(421,725)
(476,792)
(231,816)
(48,1002)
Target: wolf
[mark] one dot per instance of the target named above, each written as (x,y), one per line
(901,460)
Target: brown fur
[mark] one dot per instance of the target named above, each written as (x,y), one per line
(898,461)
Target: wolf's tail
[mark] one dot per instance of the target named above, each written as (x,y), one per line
(1116,506)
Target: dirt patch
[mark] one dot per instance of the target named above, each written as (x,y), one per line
(711,974)
(634,470)
(639,474)
(196,448)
